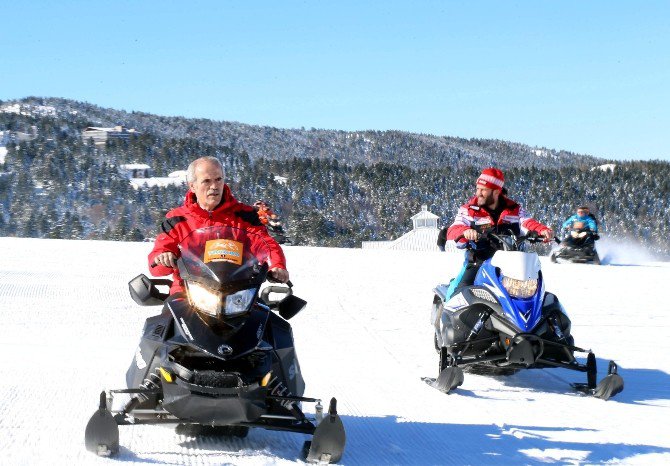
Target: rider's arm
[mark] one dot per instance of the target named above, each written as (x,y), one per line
(461,223)
(166,242)
(591,225)
(568,223)
(276,260)
(530,224)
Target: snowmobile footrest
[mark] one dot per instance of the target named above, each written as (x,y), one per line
(450,378)
(327,445)
(102,432)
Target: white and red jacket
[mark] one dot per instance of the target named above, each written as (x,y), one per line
(470,215)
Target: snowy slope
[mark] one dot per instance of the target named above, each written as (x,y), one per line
(69,330)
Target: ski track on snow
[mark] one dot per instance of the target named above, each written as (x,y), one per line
(70,330)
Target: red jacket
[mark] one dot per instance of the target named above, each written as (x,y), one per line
(190,216)
(512,214)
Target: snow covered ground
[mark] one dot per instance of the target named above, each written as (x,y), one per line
(69,329)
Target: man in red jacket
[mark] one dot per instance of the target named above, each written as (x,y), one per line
(490,208)
(208,202)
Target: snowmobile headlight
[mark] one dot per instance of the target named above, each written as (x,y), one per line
(238,303)
(520,288)
(204,299)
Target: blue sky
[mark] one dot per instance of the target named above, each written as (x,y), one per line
(586,76)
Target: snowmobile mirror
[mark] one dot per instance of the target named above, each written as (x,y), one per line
(290,306)
(144,290)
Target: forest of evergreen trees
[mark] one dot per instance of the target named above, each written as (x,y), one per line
(337,194)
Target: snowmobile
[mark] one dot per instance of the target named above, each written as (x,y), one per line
(578,246)
(220,357)
(506,322)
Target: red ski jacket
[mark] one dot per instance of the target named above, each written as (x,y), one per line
(190,216)
(512,214)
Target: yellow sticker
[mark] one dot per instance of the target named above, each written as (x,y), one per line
(223,250)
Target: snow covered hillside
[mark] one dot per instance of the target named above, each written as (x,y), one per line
(69,329)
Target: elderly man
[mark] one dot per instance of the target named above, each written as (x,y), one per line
(490,208)
(208,202)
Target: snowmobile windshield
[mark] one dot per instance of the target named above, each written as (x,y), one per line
(223,267)
(224,258)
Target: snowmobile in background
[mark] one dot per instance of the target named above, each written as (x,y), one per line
(220,358)
(506,322)
(272,222)
(578,246)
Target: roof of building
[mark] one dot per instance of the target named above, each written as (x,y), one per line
(425,213)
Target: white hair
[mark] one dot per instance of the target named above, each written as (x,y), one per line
(190,171)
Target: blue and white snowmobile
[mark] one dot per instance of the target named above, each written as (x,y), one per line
(506,321)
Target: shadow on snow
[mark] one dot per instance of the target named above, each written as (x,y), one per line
(390,440)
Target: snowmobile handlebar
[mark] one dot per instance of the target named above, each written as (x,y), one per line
(531,237)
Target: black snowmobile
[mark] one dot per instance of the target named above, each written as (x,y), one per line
(506,322)
(217,360)
(578,246)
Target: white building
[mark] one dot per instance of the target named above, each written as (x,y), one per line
(140,176)
(135,170)
(423,236)
(100,135)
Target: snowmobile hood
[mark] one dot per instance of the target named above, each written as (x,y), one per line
(517,264)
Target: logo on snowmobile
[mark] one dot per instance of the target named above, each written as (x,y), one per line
(217,250)
(224,350)
(259,332)
(291,371)
(186,330)
(139,360)
(456,302)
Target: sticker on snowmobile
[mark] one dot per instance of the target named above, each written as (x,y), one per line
(223,250)
(139,360)
(186,330)
(457,302)
(483,221)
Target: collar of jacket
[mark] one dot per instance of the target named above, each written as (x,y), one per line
(227,202)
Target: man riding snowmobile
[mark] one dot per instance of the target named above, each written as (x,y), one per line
(490,208)
(578,241)
(217,356)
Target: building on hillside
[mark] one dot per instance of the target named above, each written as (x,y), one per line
(422,237)
(101,135)
(135,170)
(175,178)
(17,137)
(140,175)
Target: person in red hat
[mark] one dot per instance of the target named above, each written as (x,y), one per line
(489,208)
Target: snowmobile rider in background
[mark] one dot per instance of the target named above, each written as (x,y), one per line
(208,202)
(583,216)
(489,209)
(579,226)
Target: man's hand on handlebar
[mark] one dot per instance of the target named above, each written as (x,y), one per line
(166,259)
(471,235)
(548,235)
(279,275)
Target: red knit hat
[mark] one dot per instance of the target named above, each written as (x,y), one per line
(491,178)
